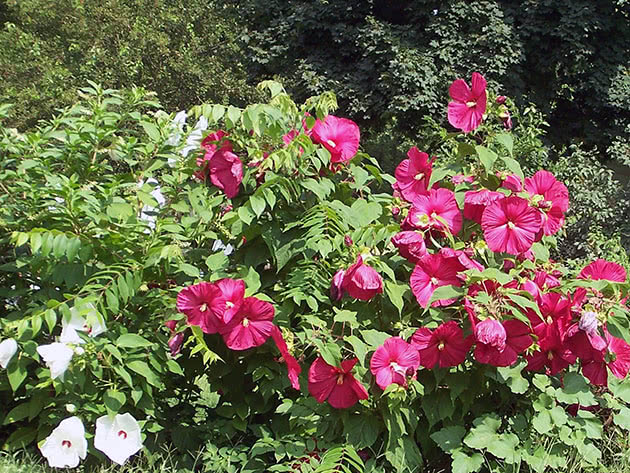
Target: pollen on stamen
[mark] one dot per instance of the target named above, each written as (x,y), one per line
(471,104)
(340,378)
(441,345)
(245,322)
(435,281)
(419,176)
(203,307)
(511,225)
(229,304)
(332,143)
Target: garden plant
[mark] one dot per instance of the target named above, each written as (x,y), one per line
(248,284)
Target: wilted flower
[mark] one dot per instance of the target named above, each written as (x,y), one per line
(336,285)
(293,367)
(362,281)
(57,357)
(66,445)
(118,437)
(8,349)
(410,244)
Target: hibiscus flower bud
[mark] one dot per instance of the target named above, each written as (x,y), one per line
(175,343)
(501,99)
(588,322)
(491,332)
(395,211)
(347,240)
(362,281)
(171,324)
(336,291)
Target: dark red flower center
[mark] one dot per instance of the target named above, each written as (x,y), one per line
(66,443)
(122,434)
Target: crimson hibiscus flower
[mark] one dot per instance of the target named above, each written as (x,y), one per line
(394,362)
(551,197)
(445,346)
(475,202)
(250,327)
(335,384)
(468,106)
(232,295)
(195,301)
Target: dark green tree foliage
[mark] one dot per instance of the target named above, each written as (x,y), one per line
(395,58)
(183,49)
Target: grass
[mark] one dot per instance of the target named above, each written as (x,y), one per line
(32,462)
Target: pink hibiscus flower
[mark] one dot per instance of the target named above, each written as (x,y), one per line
(293,367)
(226,171)
(551,197)
(232,295)
(602,269)
(436,211)
(431,272)
(335,384)
(394,362)
(468,106)
(413,174)
(510,225)
(475,202)
(195,301)
(339,136)
(362,281)
(464,257)
(445,346)
(251,326)
(410,245)
(511,182)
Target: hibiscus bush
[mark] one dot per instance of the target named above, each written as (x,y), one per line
(247,283)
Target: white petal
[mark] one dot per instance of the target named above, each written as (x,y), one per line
(108,438)
(60,455)
(57,357)
(8,349)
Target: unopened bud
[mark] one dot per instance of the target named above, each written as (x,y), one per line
(501,99)
(71,408)
(347,240)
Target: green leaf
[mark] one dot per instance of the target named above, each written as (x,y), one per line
(449,438)
(360,349)
(330,352)
(463,463)
(487,157)
(505,447)
(484,432)
(347,316)
(446,292)
(513,166)
(257,203)
(362,430)
(245,214)
(18,413)
(151,130)
(513,377)
(217,261)
(395,293)
(131,340)
(374,338)
(506,140)
(21,438)
(437,175)
(120,210)
(16,371)
(622,418)
(113,401)
(143,369)
(364,213)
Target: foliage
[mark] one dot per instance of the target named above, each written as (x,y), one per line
(83,233)
(184,49)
